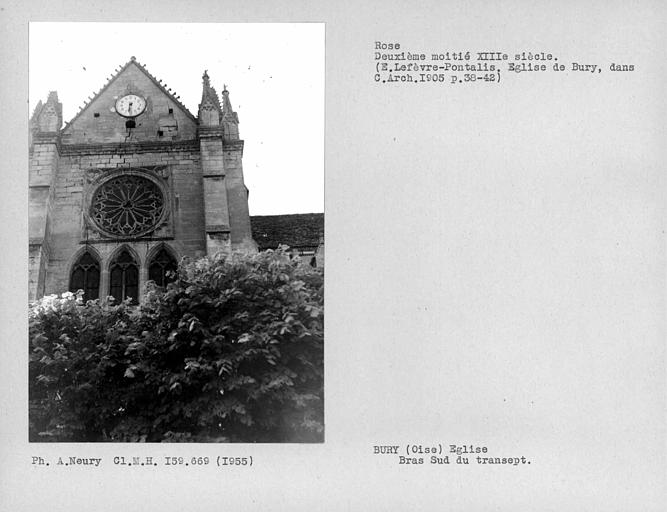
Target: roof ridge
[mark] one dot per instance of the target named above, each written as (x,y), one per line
(115,75)
(174,96)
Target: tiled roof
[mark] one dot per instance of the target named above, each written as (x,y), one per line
(296,230)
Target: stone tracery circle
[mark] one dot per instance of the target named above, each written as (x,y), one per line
(127,205)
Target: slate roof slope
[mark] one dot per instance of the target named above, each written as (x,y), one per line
(297,230)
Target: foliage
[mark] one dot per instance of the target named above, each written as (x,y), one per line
(230,351)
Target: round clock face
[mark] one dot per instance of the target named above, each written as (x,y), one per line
(130,105)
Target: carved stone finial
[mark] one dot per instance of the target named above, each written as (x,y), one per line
(50,115)
(230,120)
(226,103)
(209,108)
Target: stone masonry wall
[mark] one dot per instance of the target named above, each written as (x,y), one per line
(196,166)
(44,159)
(68,236)
(108,126)
(237,195)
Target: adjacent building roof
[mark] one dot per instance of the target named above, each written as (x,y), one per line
(298,230)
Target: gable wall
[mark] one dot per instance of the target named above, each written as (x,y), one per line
(110,127)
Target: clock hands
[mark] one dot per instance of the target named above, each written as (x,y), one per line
(131,105)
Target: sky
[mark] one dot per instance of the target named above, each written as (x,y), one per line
(274,73)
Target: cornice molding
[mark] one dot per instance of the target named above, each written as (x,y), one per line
(116,148)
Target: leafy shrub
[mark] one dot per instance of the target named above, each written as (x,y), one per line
(230,351)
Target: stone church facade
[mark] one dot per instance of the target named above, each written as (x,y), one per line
(130,185)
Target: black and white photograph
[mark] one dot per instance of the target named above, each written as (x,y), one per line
(176,233)
(486,331)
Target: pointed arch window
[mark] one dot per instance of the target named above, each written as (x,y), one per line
(162,268)
(124,278)
(86,276)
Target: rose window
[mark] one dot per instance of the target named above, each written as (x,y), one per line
(127,205)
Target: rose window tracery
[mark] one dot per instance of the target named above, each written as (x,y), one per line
(127,205)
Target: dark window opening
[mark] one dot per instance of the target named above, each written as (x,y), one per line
(96,114)
(163,268)
(124,278)
(171,110)
(313,261)
(130,124)
(86,276)
(160,133)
